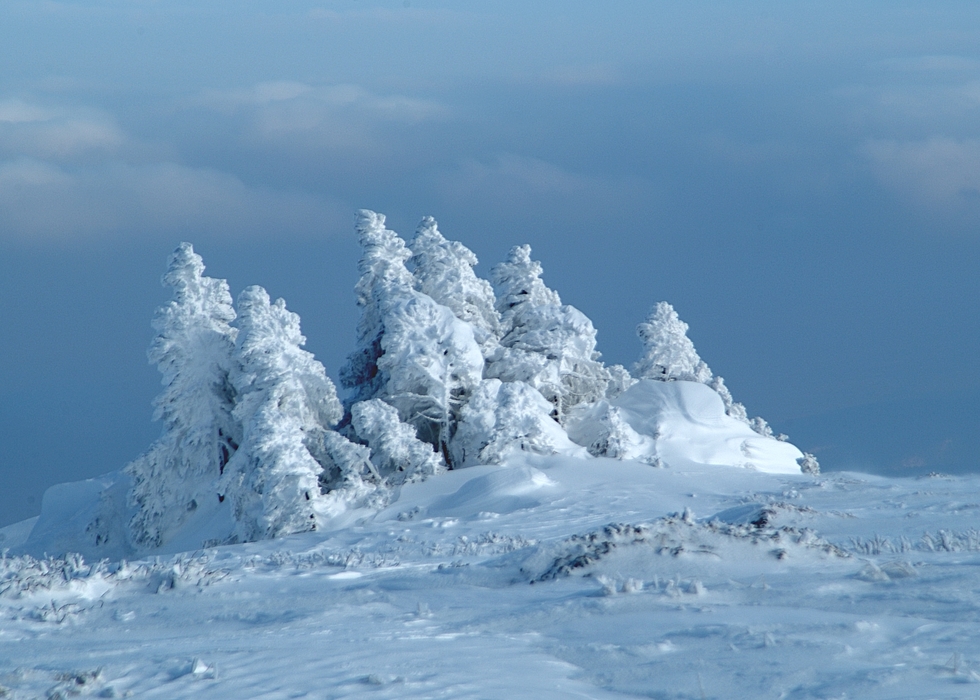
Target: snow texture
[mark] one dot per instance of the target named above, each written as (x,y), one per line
(549,577)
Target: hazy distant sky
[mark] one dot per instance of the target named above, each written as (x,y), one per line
(801,181)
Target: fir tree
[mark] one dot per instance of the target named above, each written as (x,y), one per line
(286,404)
(432,364)
(193,351)
(668,354)
(382,266)
(444,272)
(414,353)
(545,344)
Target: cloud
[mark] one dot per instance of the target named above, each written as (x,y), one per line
(584,76)
(31,130)
(14,111)
(518,175)
(936,63)
(323,100)
(938,172)
(69,172)
(43,201)
(525,182)
(298,116)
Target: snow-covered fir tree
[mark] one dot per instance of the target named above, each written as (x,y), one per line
(444,271)
(286,403)
(433,364)
(668,354)
(424,361)
(545,344)
(193,351)
(382,265)
(397,454)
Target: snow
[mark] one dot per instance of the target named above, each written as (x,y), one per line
(689,423)
(549,576)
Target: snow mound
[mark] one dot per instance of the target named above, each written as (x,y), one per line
(88,517)
(501,491)
(680,424)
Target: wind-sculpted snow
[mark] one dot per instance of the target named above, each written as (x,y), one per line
(676,582)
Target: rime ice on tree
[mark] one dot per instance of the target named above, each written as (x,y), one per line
(382,265)
(444,272)
(415,354)
(286,403)
(193,351)
(545,344)
(668,354)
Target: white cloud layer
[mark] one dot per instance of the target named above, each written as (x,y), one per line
(32,130)
(939,172)
(72,172)
(40,200)
(303,117)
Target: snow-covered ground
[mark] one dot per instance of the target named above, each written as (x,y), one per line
(550,577)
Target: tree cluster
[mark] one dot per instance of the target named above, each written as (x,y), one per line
(449,370)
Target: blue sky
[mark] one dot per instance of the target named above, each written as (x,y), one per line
(801,181)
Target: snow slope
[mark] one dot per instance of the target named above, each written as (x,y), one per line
(549,577)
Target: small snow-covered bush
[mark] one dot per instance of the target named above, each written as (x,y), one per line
(397,454)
